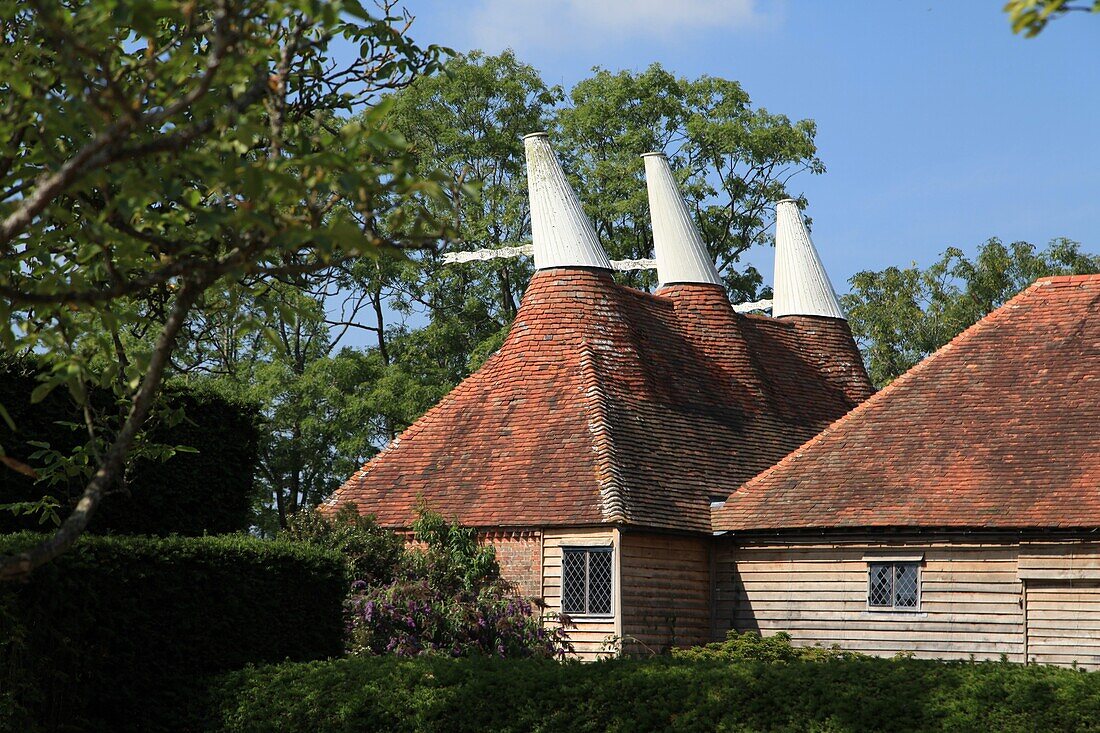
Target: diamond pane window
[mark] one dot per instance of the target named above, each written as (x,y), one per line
(573,582)
(894,585)
(586,578)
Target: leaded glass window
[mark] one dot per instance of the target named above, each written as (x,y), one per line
(894,585)
(586,578)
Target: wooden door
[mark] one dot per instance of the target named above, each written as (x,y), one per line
(1063,623)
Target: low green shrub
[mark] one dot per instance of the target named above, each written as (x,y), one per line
(751,646)
(373,554)
(659,694)
(118,633)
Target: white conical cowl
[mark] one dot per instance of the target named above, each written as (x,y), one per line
(681,255)
(561,234)
(801,286)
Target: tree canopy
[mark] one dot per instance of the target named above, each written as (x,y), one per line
(159,157)
(899,316)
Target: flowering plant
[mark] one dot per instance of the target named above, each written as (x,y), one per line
(449,599)
(411,617)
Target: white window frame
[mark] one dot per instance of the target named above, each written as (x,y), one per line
(915,562)
(588,551)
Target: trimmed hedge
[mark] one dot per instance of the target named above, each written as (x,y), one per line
(118,633)
(210,491)
(660,694)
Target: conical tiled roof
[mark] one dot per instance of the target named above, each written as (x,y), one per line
(610,405)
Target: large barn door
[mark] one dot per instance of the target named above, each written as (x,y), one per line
(1063,622)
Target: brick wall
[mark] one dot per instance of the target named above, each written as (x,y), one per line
(520,557)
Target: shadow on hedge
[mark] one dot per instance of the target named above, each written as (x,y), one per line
(837,694)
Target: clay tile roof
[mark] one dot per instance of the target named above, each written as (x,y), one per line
(998,429)
(609,405)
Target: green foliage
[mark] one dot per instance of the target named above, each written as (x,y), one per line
(732,160)
(318,420)
(1030,17)
(832,694)
(449,556)
(117,634)
(901,315)
(751,646)
(372,554)
(449,599)
(170,166)
(208,144)
(194,474)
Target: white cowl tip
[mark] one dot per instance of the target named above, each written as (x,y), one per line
(561,234)
(681,255)
(802,287)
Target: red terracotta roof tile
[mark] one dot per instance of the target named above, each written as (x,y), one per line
(998,429)
(607,404)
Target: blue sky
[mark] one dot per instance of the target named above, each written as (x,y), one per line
(938,126)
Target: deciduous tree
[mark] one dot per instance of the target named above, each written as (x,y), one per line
(151,151)
(901,315)
(733,160)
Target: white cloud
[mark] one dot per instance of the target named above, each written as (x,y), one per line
(563,24)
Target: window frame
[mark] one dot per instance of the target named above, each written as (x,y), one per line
(894,563)
(588,551)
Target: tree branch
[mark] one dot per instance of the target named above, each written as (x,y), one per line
(19,567)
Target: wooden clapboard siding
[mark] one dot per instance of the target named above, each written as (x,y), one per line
(1060,561)
(591,636)
(1063,602)
(970,597)
(666,583)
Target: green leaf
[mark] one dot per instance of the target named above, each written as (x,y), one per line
(41,391)
(6,418)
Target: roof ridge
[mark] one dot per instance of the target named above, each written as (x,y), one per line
(1066,279)
(935,357)
(608,476)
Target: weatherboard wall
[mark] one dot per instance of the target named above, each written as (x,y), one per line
(666,591)
(592,636)
(970,601)
(1027,601)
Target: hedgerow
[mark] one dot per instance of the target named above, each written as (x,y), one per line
(205,489)
(659,694)
(119,632)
